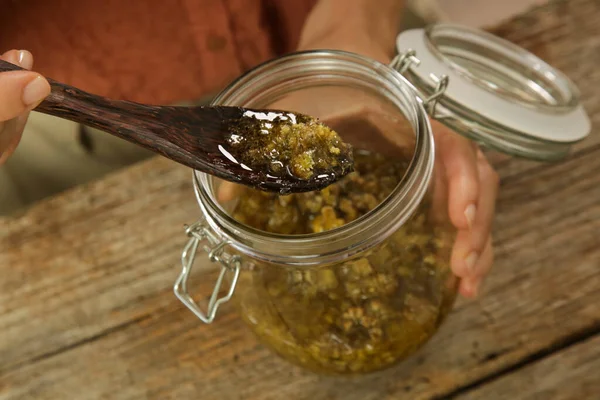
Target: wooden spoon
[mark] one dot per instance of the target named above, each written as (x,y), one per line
(198,137)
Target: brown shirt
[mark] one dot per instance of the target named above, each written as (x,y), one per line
(154,51)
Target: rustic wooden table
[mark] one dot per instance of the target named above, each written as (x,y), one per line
(87,309)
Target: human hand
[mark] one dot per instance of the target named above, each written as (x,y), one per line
(472,187)
(20,91)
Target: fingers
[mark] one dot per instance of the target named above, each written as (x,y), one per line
(470,243)
(20,91)
(460,163)
(10,135)
(472,254)
(22,58)
(486,206)
(470,286)
(472,191)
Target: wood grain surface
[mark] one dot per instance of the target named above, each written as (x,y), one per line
(568,374)
(87,309)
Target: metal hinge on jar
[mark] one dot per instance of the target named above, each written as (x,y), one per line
(201,235)
(403,61)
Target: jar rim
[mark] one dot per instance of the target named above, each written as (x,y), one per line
(552,91)
(359,235)
(498,94)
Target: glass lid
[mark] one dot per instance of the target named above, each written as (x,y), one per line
(492,91)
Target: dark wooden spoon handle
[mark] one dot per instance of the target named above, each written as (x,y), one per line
(152,127)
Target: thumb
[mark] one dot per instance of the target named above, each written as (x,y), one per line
(20,91)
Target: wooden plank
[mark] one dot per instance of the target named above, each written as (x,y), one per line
(124,333)
(78,262)
(573,374)
(87,312)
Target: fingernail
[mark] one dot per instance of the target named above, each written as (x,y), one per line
(25,59)
(12,57)
(470,262)
(470,212)
(35,91)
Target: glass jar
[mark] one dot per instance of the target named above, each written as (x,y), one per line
(356,277)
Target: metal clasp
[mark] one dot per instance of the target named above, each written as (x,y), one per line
(431,102)
(403,61)
(215,248)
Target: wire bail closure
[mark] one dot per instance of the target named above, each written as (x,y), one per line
(215,248)
(403,61)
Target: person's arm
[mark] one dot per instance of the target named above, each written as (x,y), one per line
(362,26)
